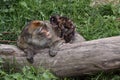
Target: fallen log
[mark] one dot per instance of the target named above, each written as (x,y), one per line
(73,59)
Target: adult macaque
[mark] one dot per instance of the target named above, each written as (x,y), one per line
(38,35)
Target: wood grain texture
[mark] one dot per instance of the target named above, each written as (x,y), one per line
(73,59)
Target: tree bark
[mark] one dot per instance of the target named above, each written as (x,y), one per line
(73,59)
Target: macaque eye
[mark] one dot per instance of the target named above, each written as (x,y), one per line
(53,19)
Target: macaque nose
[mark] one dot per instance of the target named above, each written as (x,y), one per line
(48,35)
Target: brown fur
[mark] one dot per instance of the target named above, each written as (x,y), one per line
(37,35)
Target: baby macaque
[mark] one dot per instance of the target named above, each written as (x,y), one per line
(64,27)
(37,35)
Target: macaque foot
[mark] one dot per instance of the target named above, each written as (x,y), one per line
(30,60)
(52,52)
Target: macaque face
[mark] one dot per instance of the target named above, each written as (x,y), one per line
(40,33)
(54,20)
(39,28)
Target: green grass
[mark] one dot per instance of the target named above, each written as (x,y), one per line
(92,23)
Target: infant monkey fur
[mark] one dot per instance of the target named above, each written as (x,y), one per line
(38,35)
(64,27)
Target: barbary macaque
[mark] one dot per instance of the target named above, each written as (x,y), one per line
(38,35)
(64,27)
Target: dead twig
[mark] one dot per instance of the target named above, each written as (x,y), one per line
(8,33)
(7,41)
